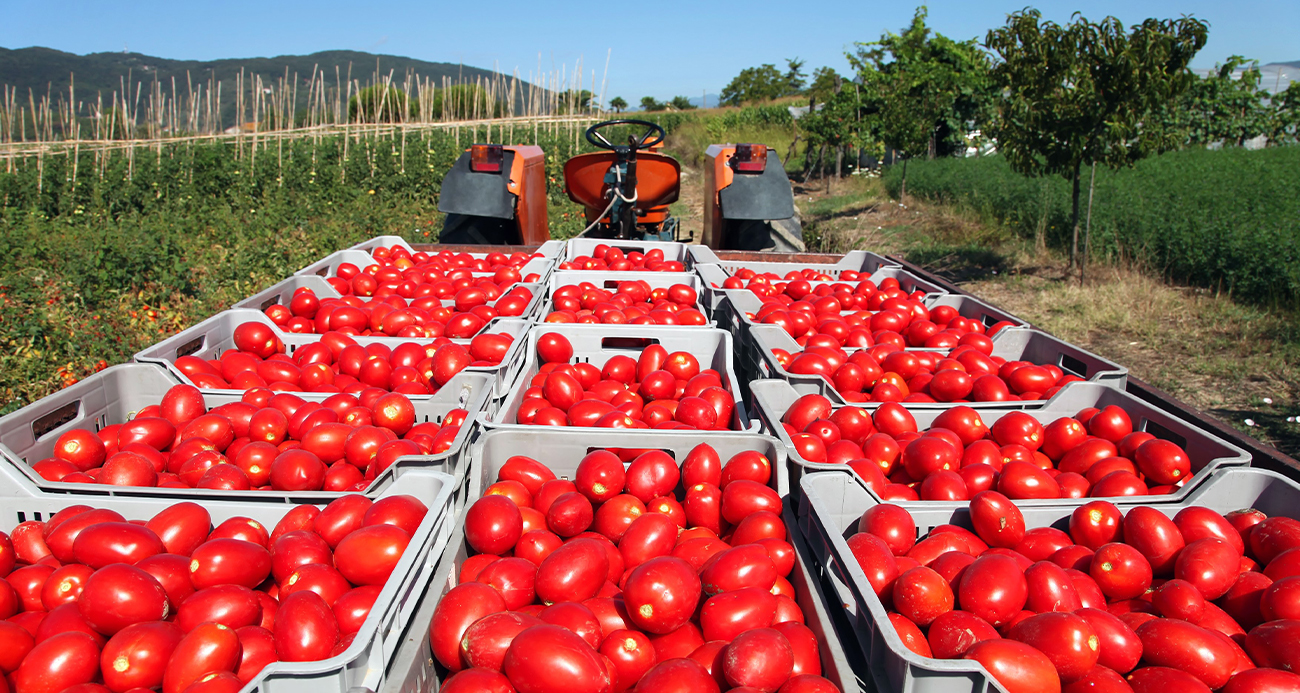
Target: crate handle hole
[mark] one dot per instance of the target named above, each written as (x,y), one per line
(273,301)
(1073,365)
(628,343)
(1163,433)
(191,347)
(54,419)
(323,272)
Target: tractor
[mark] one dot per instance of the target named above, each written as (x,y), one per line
(496,194)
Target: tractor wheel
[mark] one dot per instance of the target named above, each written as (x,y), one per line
(470,230)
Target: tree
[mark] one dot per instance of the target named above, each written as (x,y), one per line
(762,83)
(794,76)
(681,103)
(1223,108)
(825,84)
(1286,116)
(1084,94)
(379,104)
(648,103)
(573,101)
(922,89)
(618,104)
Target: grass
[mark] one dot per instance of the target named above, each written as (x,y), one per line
(1227,220)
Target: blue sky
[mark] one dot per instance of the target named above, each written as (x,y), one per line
(680,48)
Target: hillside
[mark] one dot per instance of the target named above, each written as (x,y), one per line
(41,69)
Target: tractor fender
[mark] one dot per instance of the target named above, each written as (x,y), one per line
(764,197)
(478,194)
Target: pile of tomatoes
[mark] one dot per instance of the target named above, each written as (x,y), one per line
(655,390)
(336,363)
(886,373)
(1190,603)
(650,578)
(1094,453)
(394,315)
(633,302)
(880,321)
(264,441)
(449,261)
(603,257)
(96,603)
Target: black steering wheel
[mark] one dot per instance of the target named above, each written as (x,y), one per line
(598,140)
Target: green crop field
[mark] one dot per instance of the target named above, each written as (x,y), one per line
(1228,220)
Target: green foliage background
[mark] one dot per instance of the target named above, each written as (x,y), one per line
(1228,220)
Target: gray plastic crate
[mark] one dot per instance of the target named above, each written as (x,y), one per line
(384,242)
(329,266)
(1012,344)
(560,450)
(1207,452)
(281,293)
(363,663)
(610,281)
(115,394)
(713,277)
(214,336)
(584,247)
(833,503)
(860,261)
(413,669)
(737,305)
(596,344)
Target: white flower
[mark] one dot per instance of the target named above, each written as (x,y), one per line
(1250,422)
(1268,400)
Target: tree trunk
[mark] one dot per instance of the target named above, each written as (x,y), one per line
(1087,227)
(839,161)
(1074,217)
(902,190)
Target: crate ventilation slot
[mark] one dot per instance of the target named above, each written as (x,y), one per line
(54,419)
(269,302)
(1163,433)
(191,347)
(629,343)
(1075,366)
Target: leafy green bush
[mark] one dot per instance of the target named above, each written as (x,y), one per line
(1228,220)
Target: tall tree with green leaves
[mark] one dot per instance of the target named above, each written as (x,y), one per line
(618,104)
(1285,115)
(794,76)
(681,103)
(762,83)
(1088,93)
(648,103)
(922,87)
(1223,107)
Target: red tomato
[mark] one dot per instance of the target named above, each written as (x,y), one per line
(574,572)
(460,608)
(229,561)
(1156,536)
(993,588)
(743,566)
(493,525)
(1210,565)
(1067,640)
(230,605)
(996,519)
(551,659)
(1121,571)
(119,595)
(661,594)
(554,348)
(876,560)
(632,656)
(1096,523)
(208,648)
(477,681)
(368,555)
(57,663)
(677,676)
(1020,668)
(1181,645)
(954,632)
(1050,589)
(305,628)
(1263,681)
(922,595)
(137,655)
(891,523)
(760,658)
